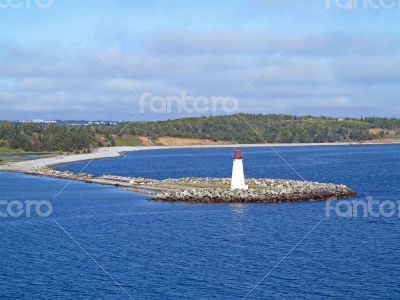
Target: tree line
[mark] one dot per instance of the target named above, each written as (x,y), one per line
(243,128)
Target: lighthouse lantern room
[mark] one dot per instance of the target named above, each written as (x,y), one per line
(237,182)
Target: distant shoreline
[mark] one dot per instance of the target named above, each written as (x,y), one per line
(110,152)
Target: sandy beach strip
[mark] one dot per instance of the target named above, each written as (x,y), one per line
(109,152)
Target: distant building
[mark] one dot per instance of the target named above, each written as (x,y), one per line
(43,121)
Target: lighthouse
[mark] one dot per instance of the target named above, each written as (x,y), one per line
(237,182)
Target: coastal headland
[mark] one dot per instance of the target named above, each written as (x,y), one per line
(193,190)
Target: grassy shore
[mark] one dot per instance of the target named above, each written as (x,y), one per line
(212,186)
(5,150)
(5,161)
(9,156)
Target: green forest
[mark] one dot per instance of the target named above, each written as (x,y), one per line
(241,128)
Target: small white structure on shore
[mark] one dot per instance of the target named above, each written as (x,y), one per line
(237,182)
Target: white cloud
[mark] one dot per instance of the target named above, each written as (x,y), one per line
(320,74)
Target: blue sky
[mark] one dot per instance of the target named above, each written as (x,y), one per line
(346,63)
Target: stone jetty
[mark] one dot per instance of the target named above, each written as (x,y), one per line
(260,191)
(213,190)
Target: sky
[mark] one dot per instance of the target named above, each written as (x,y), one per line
(131,59)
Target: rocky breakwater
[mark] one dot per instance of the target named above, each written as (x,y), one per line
(212,190)
(60,174)
(135,184)
(260,191)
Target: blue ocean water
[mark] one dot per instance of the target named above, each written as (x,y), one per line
(193,251)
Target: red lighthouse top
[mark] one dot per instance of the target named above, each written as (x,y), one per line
(237,154)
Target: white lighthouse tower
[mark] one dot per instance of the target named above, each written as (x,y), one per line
(237,182)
